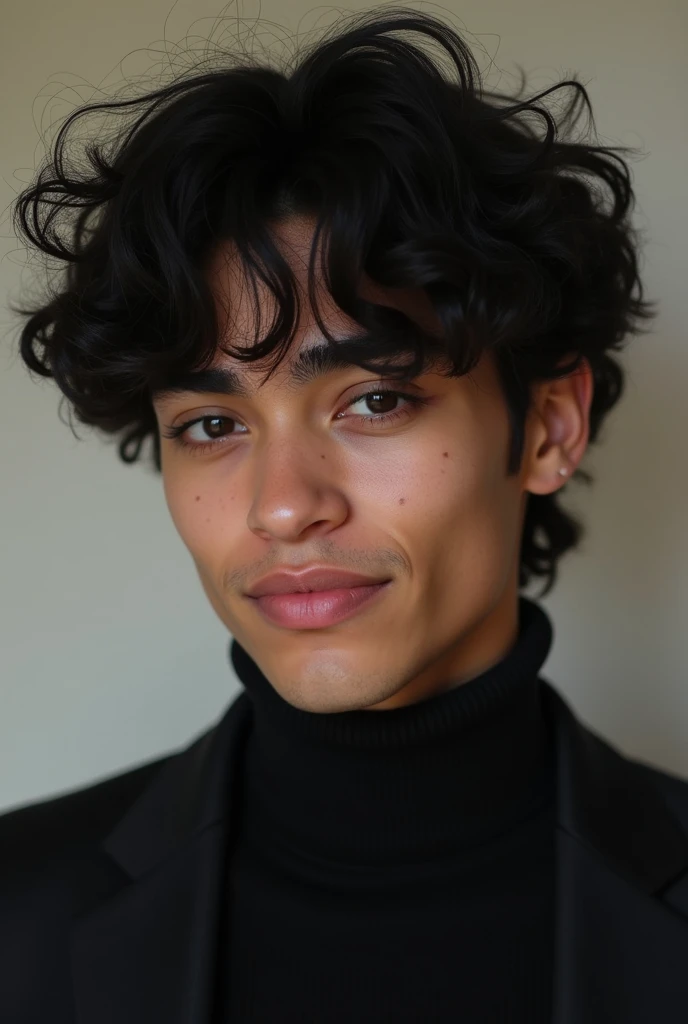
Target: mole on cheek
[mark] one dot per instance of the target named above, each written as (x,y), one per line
(402,501)
(198,497)
(446,454)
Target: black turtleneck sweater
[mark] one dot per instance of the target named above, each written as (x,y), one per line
(395,866)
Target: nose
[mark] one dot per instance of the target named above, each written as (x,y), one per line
(293,488)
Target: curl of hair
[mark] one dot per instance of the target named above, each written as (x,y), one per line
(518,234)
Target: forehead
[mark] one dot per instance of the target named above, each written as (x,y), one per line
(236,301)
(310,357)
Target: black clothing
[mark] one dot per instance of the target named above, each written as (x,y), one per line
(396,865)
(112,896)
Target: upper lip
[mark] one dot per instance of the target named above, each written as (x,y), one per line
(316,578)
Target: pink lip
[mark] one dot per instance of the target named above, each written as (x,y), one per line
(318,608)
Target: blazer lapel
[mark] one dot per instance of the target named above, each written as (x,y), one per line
(621,953)
(621,945)
(147,953)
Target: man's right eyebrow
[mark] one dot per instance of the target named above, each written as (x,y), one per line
(310,364)
(215,380)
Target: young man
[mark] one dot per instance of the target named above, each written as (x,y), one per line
(398,819)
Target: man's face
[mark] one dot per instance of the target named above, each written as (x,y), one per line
(298,477)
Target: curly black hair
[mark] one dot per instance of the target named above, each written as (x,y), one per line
(521,241)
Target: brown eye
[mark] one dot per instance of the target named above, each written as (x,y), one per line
(382,405)
(211,430)
(381,401)
(216,429)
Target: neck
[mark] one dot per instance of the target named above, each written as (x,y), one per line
(430,776)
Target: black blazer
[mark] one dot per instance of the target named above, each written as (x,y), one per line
(109,896)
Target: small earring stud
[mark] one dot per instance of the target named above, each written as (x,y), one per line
(563,470)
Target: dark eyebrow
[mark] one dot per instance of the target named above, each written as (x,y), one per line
(310,364)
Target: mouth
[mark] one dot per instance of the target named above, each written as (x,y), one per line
(318,608)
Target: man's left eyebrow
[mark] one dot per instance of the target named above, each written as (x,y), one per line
(310,364)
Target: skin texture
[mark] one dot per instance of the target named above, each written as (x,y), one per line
(424,499)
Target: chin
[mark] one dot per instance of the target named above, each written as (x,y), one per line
(327,699)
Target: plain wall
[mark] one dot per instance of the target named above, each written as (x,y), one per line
(110,653)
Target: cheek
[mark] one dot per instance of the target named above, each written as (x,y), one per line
(455,510)
(200,516)
(437,484)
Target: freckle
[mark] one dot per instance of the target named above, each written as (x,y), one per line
(198,497)
(402,501)
(446,454)
(322,456)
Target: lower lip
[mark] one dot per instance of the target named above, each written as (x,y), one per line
(317,609)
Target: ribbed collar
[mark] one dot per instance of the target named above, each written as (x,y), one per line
(420,781)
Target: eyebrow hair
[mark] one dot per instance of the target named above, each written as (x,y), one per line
(311,363)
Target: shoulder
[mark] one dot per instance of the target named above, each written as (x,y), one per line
(673,788)
(598,757)
(51,870)
(43,830)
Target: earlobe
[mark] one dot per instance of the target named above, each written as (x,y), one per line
(545,482)
(560,428)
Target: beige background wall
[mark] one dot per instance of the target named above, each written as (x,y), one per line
(110,654)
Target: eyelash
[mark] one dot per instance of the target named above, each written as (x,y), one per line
(196,448)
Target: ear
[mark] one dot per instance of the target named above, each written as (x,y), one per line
(557,429)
